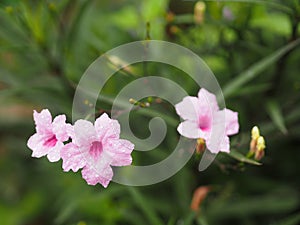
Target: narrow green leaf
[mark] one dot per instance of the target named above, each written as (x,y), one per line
(275,113)
(278,200)
(253,89)
(172,221)
(190,218)
(145,207)
(240,157)
(202,221)
(257,68)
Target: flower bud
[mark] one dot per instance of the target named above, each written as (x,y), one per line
(199,12)
(255,132)
(261,145)
(260,148)
(199,195)
(254,136)
(200,147)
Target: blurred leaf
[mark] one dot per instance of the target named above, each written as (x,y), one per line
(256,69)
(275,113)
(291,220)
(240,157)
(253,89)
(276,23)
(144,206)
(281,200)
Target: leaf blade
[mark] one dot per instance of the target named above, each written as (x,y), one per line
(257,68)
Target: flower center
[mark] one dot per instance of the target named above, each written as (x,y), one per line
(51,142)
(204,123)
(96,149)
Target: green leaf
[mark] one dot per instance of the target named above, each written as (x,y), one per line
(276,23)
(275,113)
(256,69)
(240,157)
(253,89)
(277,201)
(144,206)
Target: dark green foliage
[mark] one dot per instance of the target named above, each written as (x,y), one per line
(45,47)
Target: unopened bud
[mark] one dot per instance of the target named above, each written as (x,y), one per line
(261,145)
(138,103)
(260,148)
(199,12)
(132,101)
(200,147)
(254,136)
(255,133)
(257,144)
(199,195)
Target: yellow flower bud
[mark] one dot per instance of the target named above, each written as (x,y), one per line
(260,143)
(257,144)
(199,11)
(260,148)
(254,136)
(200,147)
(255,133)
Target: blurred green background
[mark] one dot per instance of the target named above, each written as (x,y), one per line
(251,46)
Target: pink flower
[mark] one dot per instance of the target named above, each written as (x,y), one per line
(96,148)
(202,117)
(49,137)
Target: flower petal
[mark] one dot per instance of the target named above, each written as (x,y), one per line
(94,175)
(73,158)
(35,143)
(84,133)
(70,130)
(225,145)
(231,122)
(221,145)
(107,128)
(59,128)
(43,121)
(190,129)
(188,108)
(120,152)
(54,152)
(208,99)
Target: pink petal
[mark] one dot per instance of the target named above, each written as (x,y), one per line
(120,152)
(107,128)
(225,145)
(70,130)
(232,124)
(221,144)
(188,108)
(73,158)
(84,133)
(35,143)
(43,121)
(59,128)
(54,152)
(190,129)
(94,175)
(208,99)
